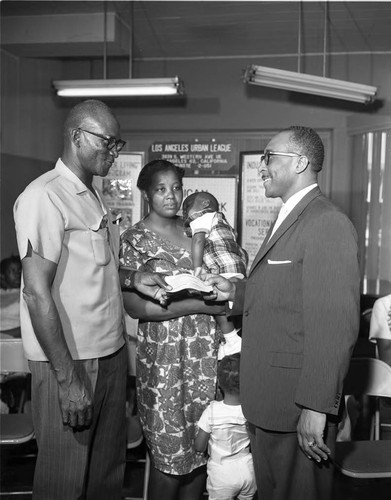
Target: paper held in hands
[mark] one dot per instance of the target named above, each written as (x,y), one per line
(185,281)
(181,282)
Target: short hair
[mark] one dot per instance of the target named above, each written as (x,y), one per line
(228,373)
(203,196)
(91,108)
(6,263)
(309,144)
(154,167)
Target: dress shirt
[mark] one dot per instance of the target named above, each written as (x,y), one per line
(290,204)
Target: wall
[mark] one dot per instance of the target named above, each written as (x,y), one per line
(216,101)
(30,132)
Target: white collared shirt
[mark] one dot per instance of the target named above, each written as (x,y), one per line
(290,204)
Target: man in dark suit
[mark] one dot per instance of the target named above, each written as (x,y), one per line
(300,307)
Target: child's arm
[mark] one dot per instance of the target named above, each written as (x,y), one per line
(201,441)
(197,251)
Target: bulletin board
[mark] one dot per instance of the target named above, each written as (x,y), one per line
(120,190)
(257,211)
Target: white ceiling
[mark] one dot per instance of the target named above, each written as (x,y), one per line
(193,29)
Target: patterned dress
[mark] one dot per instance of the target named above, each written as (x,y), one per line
(176,361)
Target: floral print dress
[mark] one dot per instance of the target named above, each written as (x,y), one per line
(176,361)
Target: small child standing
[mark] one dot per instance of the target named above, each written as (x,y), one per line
(214,245)
(223,429)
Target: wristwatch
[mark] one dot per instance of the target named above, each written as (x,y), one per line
(129,280)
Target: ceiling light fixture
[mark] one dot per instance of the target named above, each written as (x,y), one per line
(122,87)
(127,87)
(310,84)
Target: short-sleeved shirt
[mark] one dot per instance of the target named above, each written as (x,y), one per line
(222,253)
(66,224)
(379,328)
(227,427)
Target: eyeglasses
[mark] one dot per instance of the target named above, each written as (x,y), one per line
(266,156)
(112,142)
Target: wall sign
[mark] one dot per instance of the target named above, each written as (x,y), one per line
(257,211)
(201,157)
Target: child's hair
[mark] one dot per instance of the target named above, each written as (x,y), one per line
(228,373)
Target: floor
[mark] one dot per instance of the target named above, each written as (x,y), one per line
(17,470)
(17,474)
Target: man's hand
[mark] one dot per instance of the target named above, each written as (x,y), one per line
(151,285)
(223,289)
(310,431)
(75,403)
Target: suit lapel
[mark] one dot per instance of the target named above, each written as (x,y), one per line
(286,224)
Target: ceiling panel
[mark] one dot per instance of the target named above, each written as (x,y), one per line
(200,29)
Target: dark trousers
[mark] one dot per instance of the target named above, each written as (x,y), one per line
(282,470)
(88,464)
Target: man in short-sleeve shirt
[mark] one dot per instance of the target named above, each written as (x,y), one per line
(71,315)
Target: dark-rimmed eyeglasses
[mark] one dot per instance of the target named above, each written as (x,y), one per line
(111,142)
(266,156)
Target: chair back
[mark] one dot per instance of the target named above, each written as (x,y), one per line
(368,377)
(12,356)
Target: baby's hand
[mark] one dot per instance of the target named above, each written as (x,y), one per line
(197,271)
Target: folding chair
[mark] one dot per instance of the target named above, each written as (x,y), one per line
(147,468)
(371,458)
(135,438)
(15,428)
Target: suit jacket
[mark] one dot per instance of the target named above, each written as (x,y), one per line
(300,308)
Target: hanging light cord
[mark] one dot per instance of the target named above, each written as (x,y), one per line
(299,39)
(326,12)
(104,40)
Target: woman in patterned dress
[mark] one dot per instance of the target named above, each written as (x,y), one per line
(177,348)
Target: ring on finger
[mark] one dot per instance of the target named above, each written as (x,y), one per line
(311,444)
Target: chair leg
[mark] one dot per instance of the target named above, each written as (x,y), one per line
(146,475)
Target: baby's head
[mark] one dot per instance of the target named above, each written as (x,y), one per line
(228,374)
(11,272)
(198,202)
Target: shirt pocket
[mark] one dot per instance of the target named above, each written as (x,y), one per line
(100,245)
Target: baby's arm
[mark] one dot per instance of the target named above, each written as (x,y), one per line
(197,251)
(201,441)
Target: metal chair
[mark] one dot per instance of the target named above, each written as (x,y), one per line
(135,439)
(371,458)
(15,428)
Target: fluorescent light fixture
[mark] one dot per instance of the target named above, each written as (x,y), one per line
(117,88)
(309,84)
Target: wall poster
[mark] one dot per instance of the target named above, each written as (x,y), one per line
(224,189)
(257,211)
(120,189)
